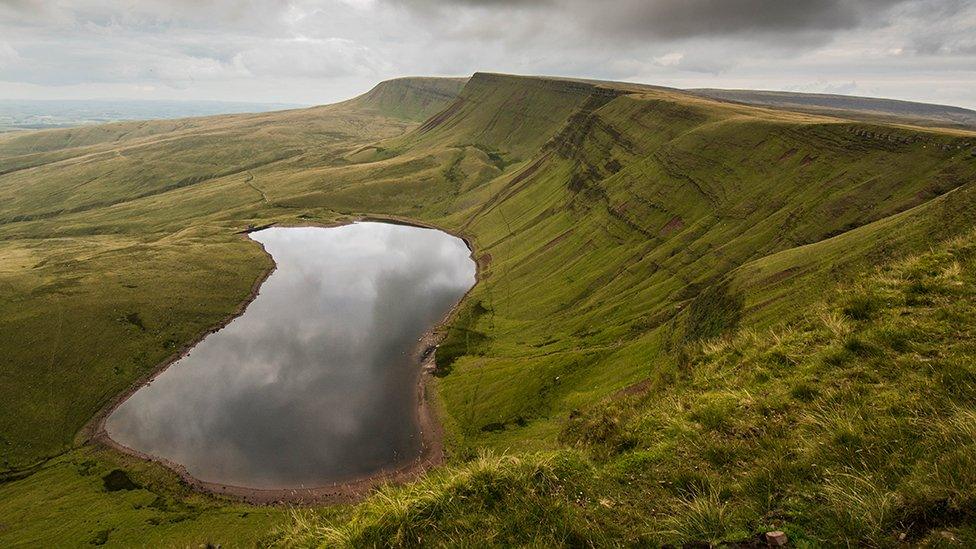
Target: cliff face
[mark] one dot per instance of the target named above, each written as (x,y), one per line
(513,115)
(618,227)
(621,222)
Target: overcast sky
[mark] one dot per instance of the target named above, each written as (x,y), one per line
(321,51)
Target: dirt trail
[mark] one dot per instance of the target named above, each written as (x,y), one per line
(250,181)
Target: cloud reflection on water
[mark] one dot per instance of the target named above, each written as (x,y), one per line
(314,383)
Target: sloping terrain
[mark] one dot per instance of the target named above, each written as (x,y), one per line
(852,424)
(847,105)
(621,231)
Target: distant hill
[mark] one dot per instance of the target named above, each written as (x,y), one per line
(37,114)
(850,106)
(411,98)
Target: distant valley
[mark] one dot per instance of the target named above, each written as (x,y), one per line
(28,114)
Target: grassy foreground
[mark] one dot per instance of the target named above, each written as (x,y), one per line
(657,350)
(853,424)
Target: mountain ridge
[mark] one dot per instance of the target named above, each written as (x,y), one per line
(841,105)
(620,230)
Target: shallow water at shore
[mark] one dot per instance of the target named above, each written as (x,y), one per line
(316,382)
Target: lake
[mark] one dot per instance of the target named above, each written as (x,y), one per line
(316,382)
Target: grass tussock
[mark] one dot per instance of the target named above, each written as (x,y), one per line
(491,500)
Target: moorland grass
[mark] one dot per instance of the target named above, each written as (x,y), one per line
(616,226)
(838,428)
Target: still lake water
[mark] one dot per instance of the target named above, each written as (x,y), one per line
(317,381)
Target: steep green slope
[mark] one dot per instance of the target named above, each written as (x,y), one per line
(852,425)
(637,205)
(616,227)
(768,285)
(413,98)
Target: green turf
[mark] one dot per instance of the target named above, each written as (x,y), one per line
(617,226)
(851,425)
(73,501)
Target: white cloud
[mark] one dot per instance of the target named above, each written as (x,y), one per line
(326,50)
(824,86)
(8,55)
(310,57)
(670,59)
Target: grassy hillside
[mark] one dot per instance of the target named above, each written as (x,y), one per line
(852,424)
(413,99)
(908,112)
(617,228)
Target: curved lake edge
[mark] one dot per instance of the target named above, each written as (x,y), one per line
(428,421)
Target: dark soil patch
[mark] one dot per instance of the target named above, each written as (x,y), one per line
(100,537)
(780,276)
(787,154)
(675,224)
(549,245)
(135,320)
(119,480)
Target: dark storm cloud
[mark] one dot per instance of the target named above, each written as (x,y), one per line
(691,18)
(680,19)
